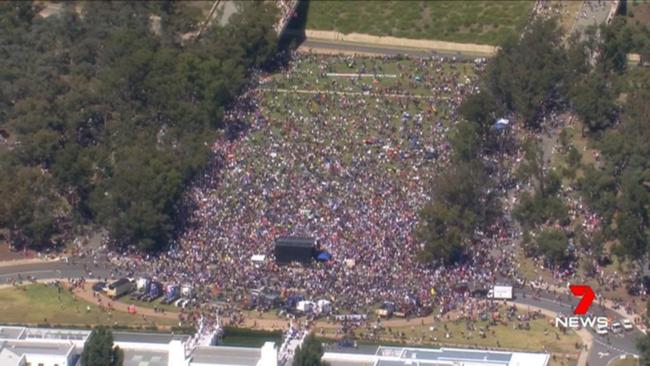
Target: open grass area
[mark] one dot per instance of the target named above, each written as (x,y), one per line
(481,22)
(240,337)
(542,335)
(626,362)
(42,304)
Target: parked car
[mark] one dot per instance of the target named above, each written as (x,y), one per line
(602,330)
(616,327)
(627,324)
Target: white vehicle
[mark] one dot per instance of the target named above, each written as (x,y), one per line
(602,330)
(500,293)
(616,327)
(627,324)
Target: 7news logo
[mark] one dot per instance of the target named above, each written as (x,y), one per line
(587,296)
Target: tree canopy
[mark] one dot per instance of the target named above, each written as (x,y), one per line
(110,119)
(310,353)
(99,350)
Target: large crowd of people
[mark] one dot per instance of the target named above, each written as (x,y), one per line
(342,149)
(350,165)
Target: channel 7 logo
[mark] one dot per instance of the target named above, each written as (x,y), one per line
(587,296)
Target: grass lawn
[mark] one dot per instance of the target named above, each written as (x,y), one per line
(240,337)
(542,335)
(482,22)
(41,304)
(150,305)
(626,362)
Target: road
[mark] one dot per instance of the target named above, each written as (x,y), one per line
(608,347)
(612,346)
(318,44)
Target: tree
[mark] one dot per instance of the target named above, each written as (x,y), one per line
(444,233)
(112,120)
(461,202)
(529,74)
(99,351)
(643,345)
(481,109)
(310,353)
(594,101)
(616,44)
(534,167)
(553,245)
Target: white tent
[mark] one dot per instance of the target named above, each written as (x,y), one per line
(305,306)
(258,258)
(324,306)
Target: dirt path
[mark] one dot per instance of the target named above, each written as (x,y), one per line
(87,294)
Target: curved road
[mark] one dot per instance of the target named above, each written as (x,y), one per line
(603,350)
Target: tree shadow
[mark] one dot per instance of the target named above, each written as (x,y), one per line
(294,35)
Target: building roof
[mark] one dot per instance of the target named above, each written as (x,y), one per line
(405,356)
(37,348)
(144,358)
(159,338)
(11,332)
(226,356)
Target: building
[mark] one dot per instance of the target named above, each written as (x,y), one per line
(23,346)
(408,356)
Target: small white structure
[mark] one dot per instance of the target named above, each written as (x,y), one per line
(324,306)
(269,355)
(187,290)
(176,355)
(306,306)
(142,283)
(500,293)
(258,258)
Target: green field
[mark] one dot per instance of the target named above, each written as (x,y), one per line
(241,337)
(481,22)
(626,362)
(44,305)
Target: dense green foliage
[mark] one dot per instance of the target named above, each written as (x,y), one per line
(643,344)
(528,74)
(111,120)
(310,353)
(620,189)
(99,351)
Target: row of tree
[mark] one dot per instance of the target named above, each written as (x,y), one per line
(531,76)
(108,119)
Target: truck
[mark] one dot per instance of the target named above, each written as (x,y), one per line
(155,291)
(500,293)
(142,288)
(172,292)
(120,287)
